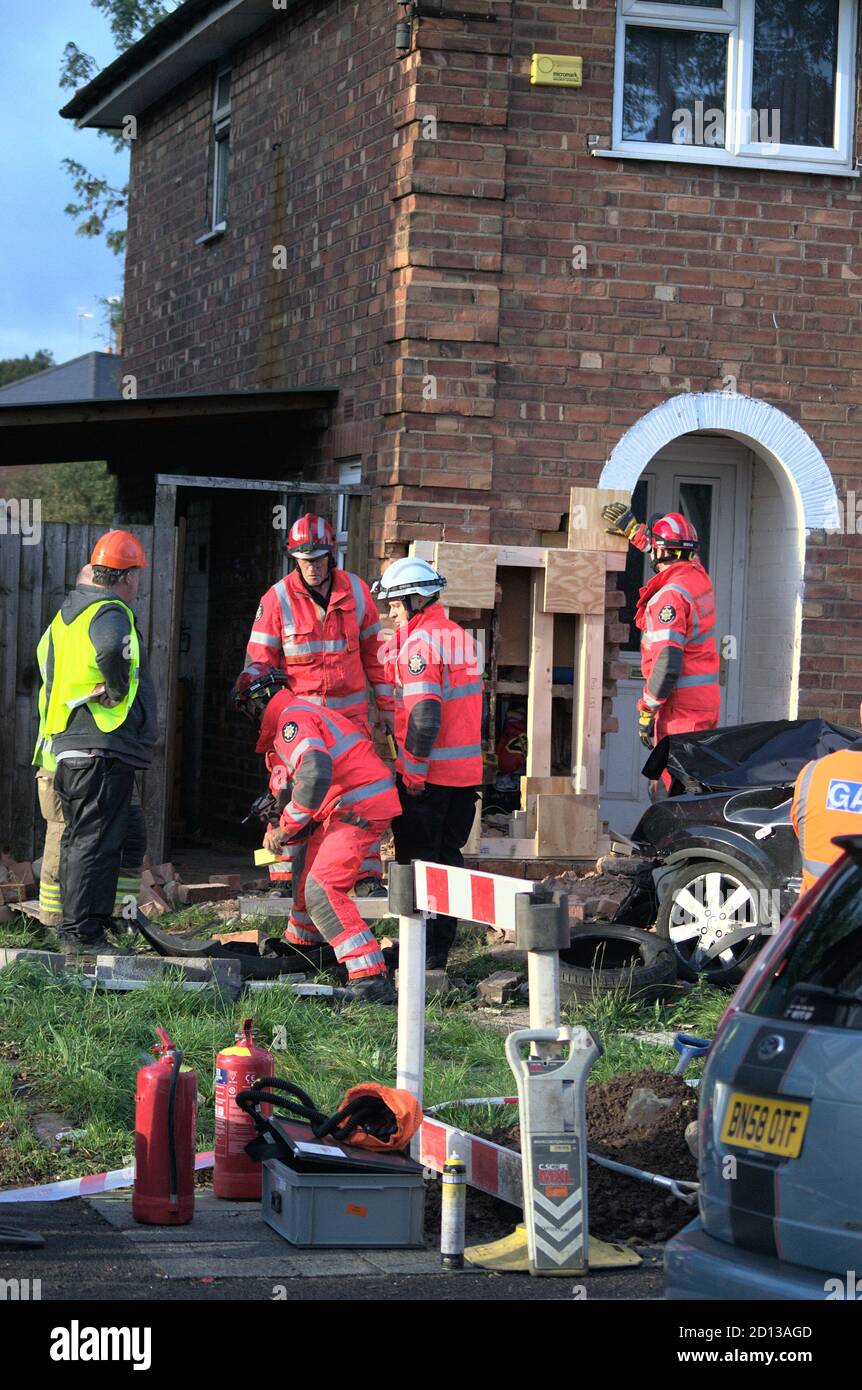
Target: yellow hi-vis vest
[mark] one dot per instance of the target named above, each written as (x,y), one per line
(42,755)
(76,672)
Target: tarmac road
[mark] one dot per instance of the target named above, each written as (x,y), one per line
(86,1258)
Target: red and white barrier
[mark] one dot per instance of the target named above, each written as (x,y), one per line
(89,1186)
(490,1167)
(472,895)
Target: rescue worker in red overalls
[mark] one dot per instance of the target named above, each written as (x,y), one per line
(336,798)
(676,616)
(321,627)
(437,677)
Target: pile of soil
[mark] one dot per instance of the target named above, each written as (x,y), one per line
(626,1209)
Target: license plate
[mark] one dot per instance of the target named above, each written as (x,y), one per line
(769,1124)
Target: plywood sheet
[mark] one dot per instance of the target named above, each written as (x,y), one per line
(574,581)
(566,826)
(470,572)
(586,526)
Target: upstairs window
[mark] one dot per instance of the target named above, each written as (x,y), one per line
(221,152)
(769,82)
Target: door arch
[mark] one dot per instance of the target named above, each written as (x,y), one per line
(789,490)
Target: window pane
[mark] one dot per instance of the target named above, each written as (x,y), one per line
(674,70)
(695,503)
(222,162)
(222,91)
(795,56)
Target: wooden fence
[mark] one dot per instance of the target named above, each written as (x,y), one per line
(34,580)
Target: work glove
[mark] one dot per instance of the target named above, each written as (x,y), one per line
(386,723)
(621,519)
(646,727)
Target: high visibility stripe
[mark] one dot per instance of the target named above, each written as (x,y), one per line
(263,639)
(470,750)
(457,691)
(288,621)
(335,644)
(423,688)
(418,764)
(710,678)
(651,701)
(365,793)
(358,598)
(679,589)
(384,690)
(373,964)
(299,937)
(371,865)
(298,817)
(342,744)
(302,747)
(357,942)
(815,866)
(300,917)
(370,631)
(669,634)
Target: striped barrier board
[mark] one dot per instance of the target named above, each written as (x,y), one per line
(490,1167)
(469,894)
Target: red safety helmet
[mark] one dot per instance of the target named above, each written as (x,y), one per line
(671,533)
(254,688)
(310,536)
(119,550)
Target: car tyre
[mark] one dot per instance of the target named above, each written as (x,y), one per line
(603,957)
(699,886)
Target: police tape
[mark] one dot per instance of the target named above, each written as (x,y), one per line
(472,1100)
(87,1186)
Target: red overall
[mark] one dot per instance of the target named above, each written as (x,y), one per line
(342,800)
(676,614)
(328,658)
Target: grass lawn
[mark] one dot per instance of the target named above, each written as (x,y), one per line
(79,1050)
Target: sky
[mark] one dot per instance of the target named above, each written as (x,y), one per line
(48,274)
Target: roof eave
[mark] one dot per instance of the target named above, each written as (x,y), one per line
(104,104)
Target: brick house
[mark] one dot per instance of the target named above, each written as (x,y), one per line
(514,287)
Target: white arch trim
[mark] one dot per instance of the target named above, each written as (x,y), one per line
(767,430)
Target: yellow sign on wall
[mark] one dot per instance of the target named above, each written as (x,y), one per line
(555,70)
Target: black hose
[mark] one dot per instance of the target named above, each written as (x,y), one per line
(172,1142)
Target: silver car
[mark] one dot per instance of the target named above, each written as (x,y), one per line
(781,1115)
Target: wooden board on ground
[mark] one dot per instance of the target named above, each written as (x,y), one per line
(574,581)
(586,525)
(566,826)
(470,572)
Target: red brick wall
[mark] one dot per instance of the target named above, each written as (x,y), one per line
(430,276)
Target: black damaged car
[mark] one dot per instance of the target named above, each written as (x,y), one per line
(721,862)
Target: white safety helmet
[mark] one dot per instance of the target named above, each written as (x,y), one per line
(408,576)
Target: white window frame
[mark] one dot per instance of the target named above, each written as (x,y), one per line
(221,134)
(349,475)
(736,19)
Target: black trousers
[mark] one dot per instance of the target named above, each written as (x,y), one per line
(96,795)
(435,826)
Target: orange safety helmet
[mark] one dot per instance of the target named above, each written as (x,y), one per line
(119,550)
(310,536)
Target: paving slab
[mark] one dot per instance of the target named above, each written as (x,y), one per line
(52,960)
(229,1240)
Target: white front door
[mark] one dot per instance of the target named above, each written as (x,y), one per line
(708,479)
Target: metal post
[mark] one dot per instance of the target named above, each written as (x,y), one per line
(542,927)
(410,1058)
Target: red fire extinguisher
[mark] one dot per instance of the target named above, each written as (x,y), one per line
(165,1130)
(235,1175)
